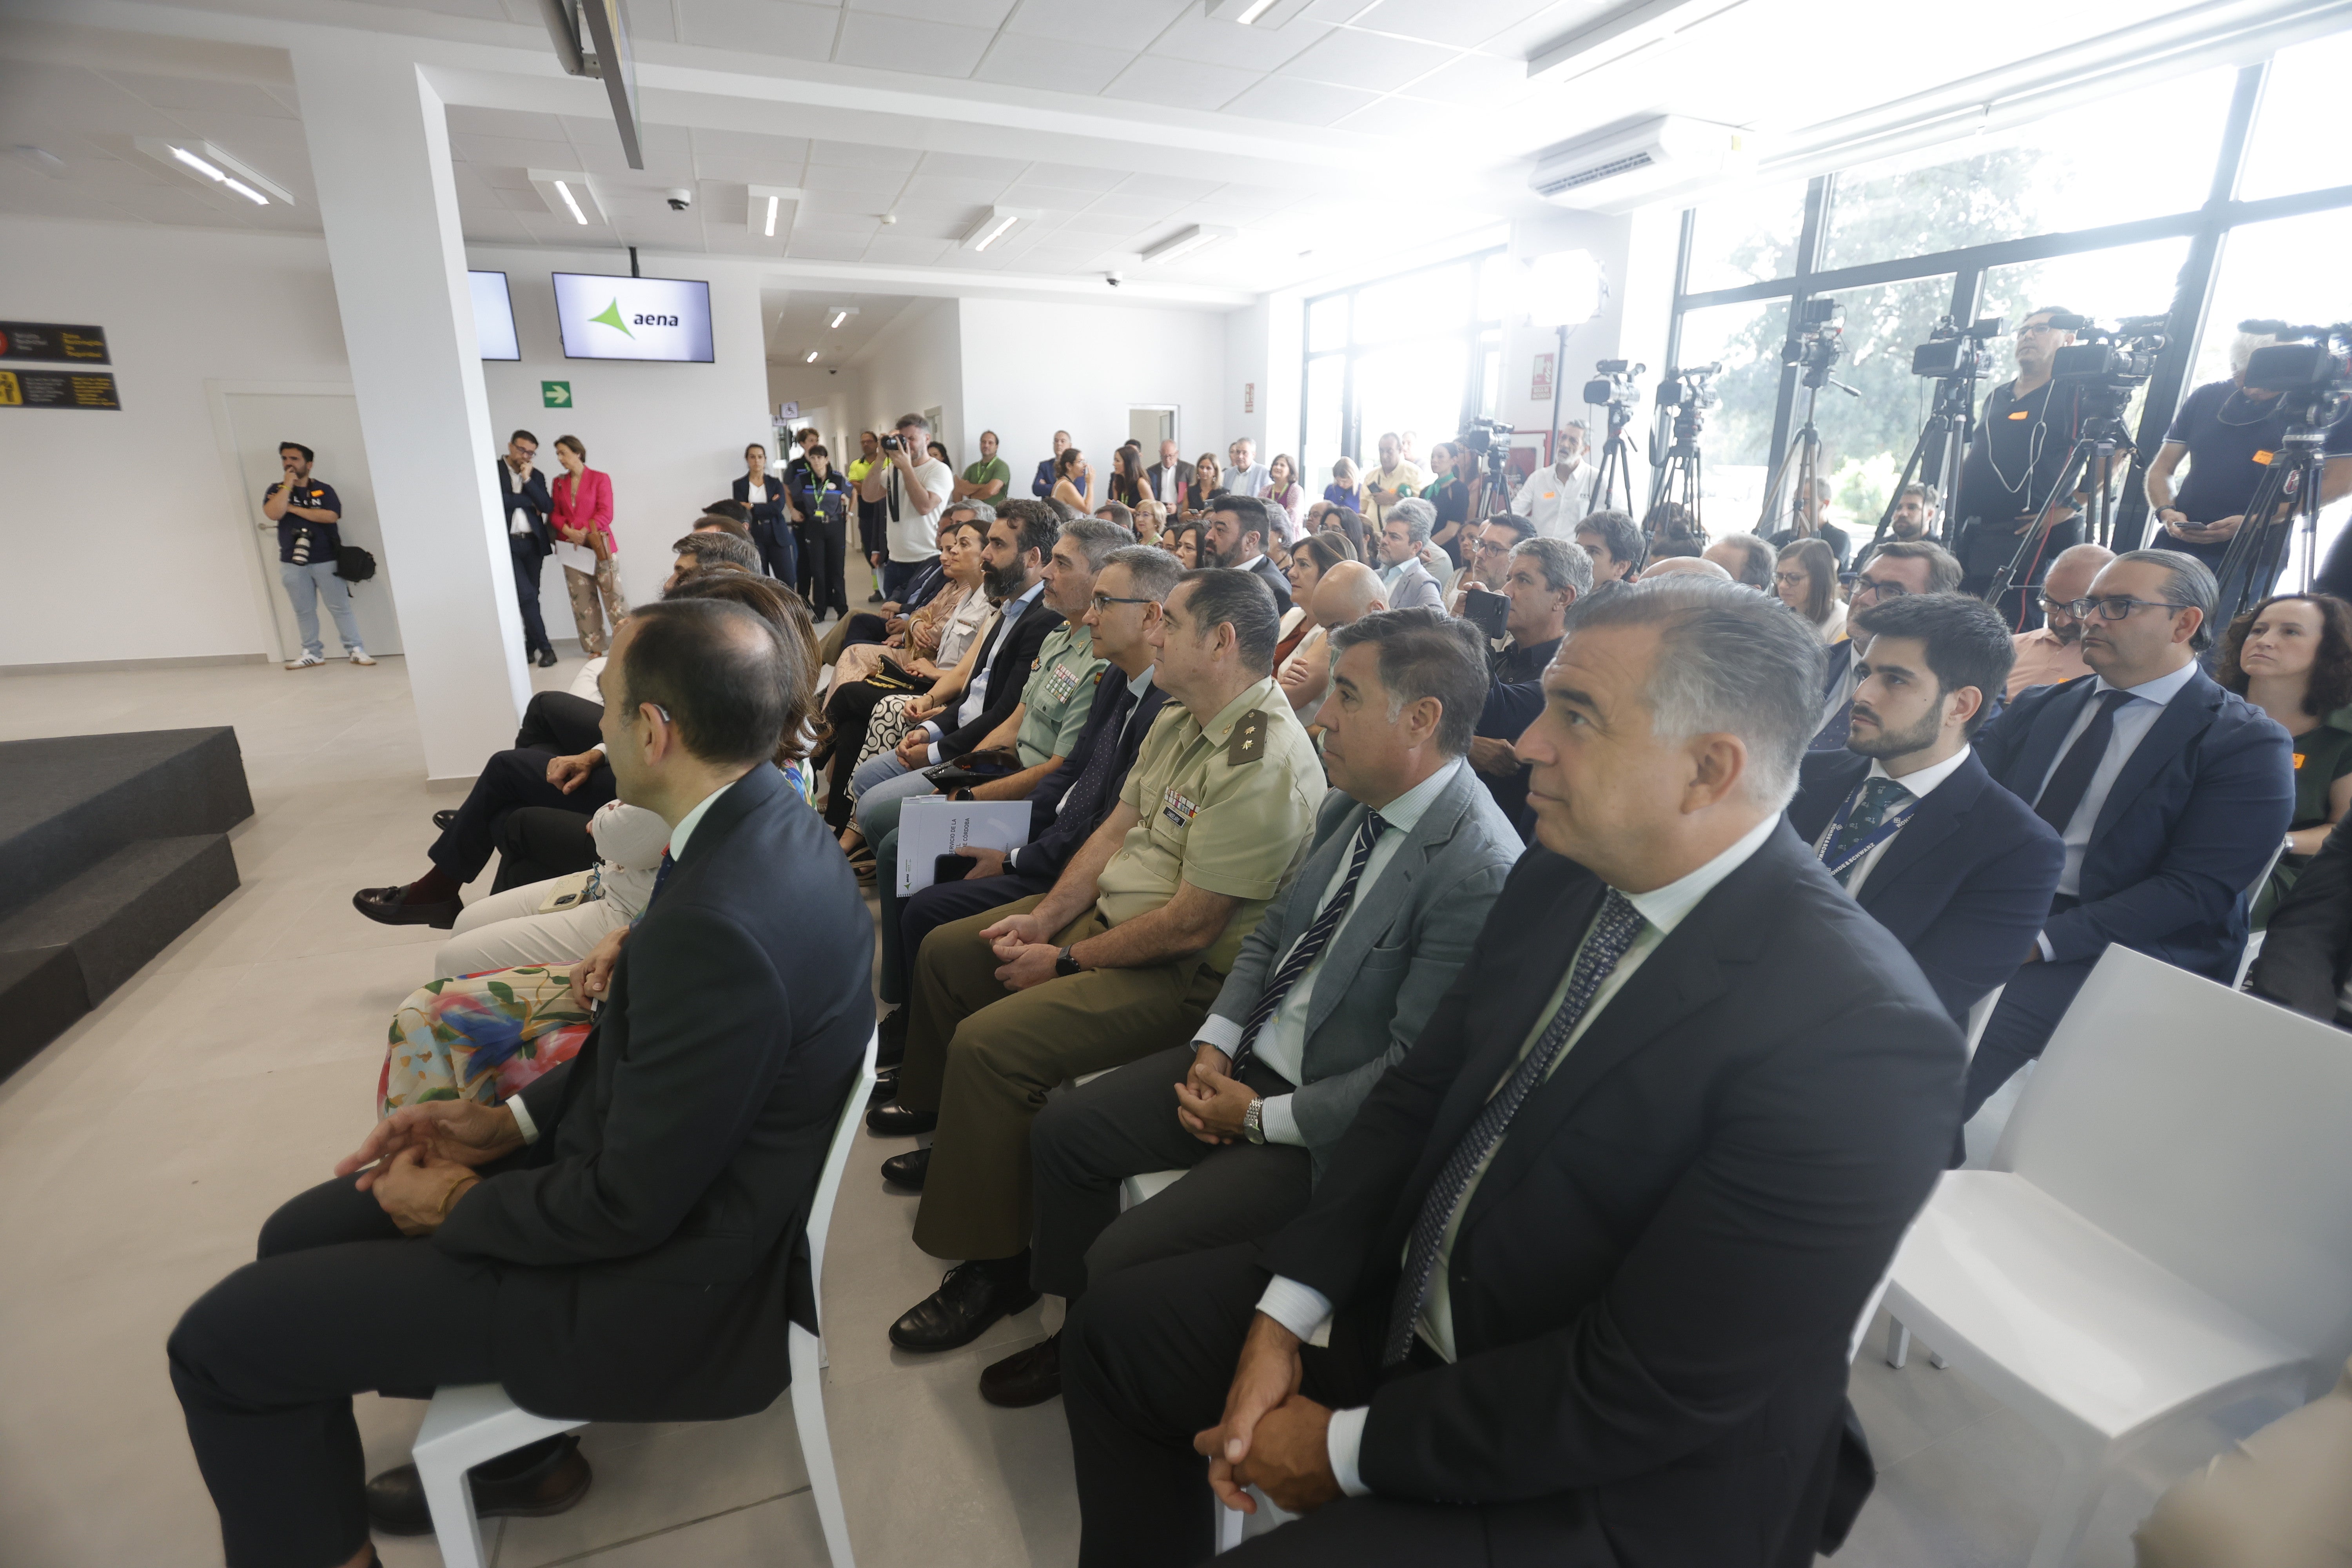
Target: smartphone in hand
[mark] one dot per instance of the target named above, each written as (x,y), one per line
(1485,611)
(953,868)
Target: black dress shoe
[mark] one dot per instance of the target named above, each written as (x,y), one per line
(387,905)
(907,1170)
(973,1296)
(886,1089)
(547,1483)
(445,818)
(547,658)
(895,1121)
(1025,1377)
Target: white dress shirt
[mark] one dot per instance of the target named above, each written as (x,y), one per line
(678,838)
(2133,721)
(1306,1311)
(1282,1043)
(519,519)
(1556,505)
(1919,784)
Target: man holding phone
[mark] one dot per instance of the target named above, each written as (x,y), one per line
(1545,579)
(308,513)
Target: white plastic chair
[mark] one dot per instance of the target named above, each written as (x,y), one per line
(470,1424)
(2166,1230)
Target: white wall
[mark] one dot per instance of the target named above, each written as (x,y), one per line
(672,436)
(118,536)
(1031,368)
(916,363)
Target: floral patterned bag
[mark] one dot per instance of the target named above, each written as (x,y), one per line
(480,1036)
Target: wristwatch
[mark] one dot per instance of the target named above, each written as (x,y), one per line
(1063,963)
(1254,1121)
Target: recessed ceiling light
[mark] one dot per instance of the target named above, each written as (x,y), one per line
(1257,12)
(993,227)
(1184,243)
(770,211)
(215,175)
(563,189)
(769,231)
(199,158)
(811,358)
(839,313)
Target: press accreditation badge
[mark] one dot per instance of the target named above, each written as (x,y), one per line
(1176,808)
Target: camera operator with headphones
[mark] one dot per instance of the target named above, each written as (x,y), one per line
(2228,431)
(2018,454)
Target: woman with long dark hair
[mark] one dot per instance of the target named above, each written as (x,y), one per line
(1806,580)
(2291,655)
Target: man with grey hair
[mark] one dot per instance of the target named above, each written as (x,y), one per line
(2171,794)
(1543,583)
(1402,533)
(1682,1069)
(705,548)
(925,485)
(1748,559)
(1683,566)
(1557,498)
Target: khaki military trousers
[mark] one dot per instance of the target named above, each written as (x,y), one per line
(985,1058)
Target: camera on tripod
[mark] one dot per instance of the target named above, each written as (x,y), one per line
(2312,371)
(1817,340)
(1484,435)
(1611,386)
(2116,359)
(1954,350)
(1690,387)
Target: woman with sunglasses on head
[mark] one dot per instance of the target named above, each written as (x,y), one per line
(2291,655)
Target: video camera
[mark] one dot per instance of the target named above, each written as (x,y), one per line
(1815,340)
(2117,359)
(2312,372)
(1692,386)
(1483,435)
(1612,387)
(1953,351)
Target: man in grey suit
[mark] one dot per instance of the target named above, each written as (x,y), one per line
(1402,535)
(1319,1004)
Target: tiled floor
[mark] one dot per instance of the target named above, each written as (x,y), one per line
(138,1154)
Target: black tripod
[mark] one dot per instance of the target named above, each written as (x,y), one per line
(2103,435)
(2287,495)
(1613,487)
(1803,460)
(1942,446)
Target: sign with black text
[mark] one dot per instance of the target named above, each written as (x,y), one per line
(48,340)
(633,318)
(59,389)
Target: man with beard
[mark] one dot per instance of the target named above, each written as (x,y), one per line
(1916,512)
(1907,819)
(2053,651)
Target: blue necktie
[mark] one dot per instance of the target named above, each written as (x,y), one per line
(1310,947)
(667,866)
(1879,796)
(1613,932)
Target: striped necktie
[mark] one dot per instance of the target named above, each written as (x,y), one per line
(1308,948)
(1613,932)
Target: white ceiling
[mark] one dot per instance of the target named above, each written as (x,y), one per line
(800,320)
(1355,127)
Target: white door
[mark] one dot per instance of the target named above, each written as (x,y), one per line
(1152,427)
(328,424)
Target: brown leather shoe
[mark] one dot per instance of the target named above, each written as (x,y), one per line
(548,1483)
(1025,1377)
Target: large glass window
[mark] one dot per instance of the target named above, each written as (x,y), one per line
(1747,236)
(1736,436)
(2299,142)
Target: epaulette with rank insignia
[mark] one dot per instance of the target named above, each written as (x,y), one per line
(1248,743)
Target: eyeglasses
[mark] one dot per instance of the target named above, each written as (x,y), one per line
(2117,608)
(2050,607)
(1877,589)
(1488,547)
(1785,578)
(1104,601)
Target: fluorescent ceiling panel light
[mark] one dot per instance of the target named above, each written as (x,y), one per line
(769,211)
(1624,33)
(996,226)
(839,313)
(1184,243)
(1255,12)
(811,358)
(563,189)
(570,193)
(198,158)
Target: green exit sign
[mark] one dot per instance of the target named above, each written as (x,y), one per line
(555,394)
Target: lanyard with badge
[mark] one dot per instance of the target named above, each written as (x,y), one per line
(1877,835)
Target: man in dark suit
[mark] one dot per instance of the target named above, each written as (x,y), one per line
(524,503)
(1641,1171)
(2171,796)
(635,1219)
(2306,957)
(1042,484)
(1906,819)
(1164,482)
(1327,995)
(1238,528)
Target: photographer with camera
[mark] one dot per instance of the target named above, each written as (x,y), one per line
(925,485)
(308,513)
(2229,430)
(2017,457)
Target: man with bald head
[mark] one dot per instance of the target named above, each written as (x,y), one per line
(2053,652)
(1748,559)
(1348,592)
(1683,566)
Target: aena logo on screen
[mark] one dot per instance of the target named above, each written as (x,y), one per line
(611,316)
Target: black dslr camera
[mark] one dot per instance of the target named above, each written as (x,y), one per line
(890,443)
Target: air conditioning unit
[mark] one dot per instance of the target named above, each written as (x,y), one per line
(1612,170)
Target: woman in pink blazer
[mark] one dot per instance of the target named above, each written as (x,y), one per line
(582,515)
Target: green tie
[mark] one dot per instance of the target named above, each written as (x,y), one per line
(1879,796)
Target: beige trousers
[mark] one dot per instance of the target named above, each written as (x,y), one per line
(595,637)
(2282,1499)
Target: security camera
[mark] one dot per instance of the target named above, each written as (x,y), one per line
(1114,279)
(680,198)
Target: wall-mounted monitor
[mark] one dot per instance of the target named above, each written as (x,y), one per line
(633,318)
(494,316)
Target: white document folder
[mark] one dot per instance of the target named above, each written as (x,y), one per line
(931,826)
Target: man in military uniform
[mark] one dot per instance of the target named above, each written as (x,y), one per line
(1120,960)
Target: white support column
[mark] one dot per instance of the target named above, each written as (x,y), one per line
(379,142)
